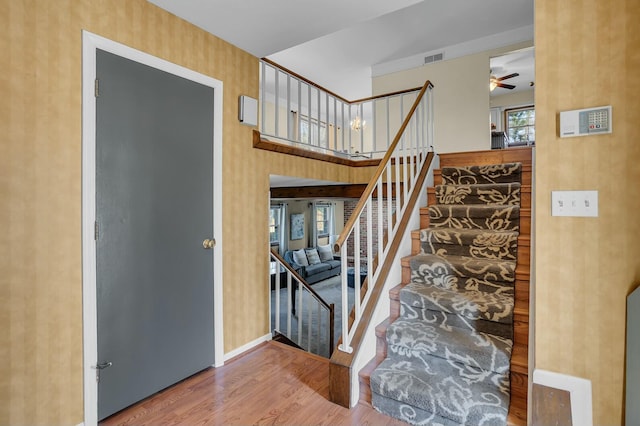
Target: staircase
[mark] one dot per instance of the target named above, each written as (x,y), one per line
(454,349)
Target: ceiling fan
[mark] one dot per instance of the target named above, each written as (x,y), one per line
(497,81)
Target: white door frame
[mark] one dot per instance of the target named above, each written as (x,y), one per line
(91,42)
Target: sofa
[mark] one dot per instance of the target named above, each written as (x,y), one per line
(315,263)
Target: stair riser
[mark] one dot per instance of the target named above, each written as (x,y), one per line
(504,330)
(466,217)
(428,266)
(520,275)
(506,251)
(472,284)
(525,197)
(525,175)
(504,195)
(523,253)
(484,174)
(493,156)
(524,226)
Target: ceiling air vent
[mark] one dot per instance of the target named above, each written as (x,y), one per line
(433,58)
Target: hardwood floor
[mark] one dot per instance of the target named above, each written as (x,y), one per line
(272,384)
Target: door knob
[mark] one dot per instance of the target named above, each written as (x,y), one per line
(208,243)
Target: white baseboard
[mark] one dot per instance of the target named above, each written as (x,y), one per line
(246,347)
(578,388)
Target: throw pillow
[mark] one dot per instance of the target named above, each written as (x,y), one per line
(300,257)
(325,252)
(312,255)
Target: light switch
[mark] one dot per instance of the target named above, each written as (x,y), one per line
(574,203)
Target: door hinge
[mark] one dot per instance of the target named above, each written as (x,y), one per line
(97,88)
(100,367)
(96,230)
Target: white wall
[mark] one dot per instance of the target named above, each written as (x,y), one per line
(303,206)
(510,100)
(461,97)
(501,103)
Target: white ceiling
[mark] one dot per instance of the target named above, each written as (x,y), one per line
(341,44)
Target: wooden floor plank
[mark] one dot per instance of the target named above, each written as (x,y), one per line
(272,384)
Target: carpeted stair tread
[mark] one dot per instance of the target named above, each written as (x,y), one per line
(412,338)
(494,173)
(475,243)
(439,268)
(414,415)
(473,305)
(461,284)
(495,217)
(496,193)
(454,391)
(437,317)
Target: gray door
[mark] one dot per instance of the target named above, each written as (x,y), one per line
(154,192)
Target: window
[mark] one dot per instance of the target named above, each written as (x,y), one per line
(521,126)
(274,224)
(322,220)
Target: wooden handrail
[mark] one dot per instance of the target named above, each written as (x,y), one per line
(381,167)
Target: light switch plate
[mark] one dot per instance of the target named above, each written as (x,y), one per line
(574,203)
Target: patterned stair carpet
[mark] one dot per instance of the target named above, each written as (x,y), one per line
(449,352)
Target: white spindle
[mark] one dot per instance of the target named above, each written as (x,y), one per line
(356,263)
(390,225)
(277,302)
(277,103)
(288,112)
(379,226)
(309,316)
(300,310)
(262,96)
(298,115)
(344,346)
(370,239)
(289,305)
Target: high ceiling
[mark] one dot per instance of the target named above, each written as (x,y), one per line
(340,44)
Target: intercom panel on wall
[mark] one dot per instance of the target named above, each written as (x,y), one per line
(585,122)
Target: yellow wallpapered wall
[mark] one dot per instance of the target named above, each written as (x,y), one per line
(40,190)
(587,54)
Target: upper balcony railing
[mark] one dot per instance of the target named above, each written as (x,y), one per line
(298,112)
